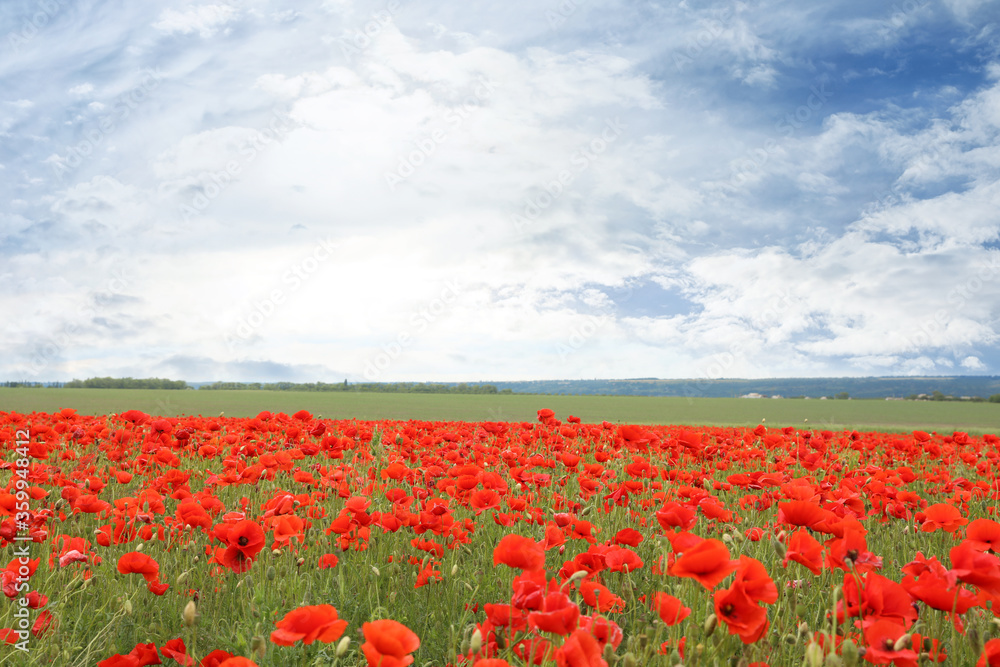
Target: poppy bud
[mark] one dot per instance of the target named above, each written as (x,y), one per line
(814,655)
(375,570)
(140,546)
(849,652)
(608,653)
(300,562)
(454,569)
(833,660)
(710,623)
(181,578)
(630,660)
(342,645)
(477,641)
(258,646)
(727,538)
(128,607)
(779,548)
(904,642)
(270,573)
(189,613)
(275,552)
(801,631)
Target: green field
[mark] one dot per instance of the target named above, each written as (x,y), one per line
(943,417)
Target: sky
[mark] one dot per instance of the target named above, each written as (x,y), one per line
(534,189)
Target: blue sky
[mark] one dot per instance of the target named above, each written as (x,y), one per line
(527,190)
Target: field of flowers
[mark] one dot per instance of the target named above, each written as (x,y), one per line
(290,540)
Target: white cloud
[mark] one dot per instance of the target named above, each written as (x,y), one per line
(203,19)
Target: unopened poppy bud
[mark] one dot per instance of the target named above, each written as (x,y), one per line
(833,660)
(128,606)
(300,562)
(710,623)
(608,653)
(258,646)
(140,546)
(630,660)
(375,570)
(586,510)
(269,573)
(779,548)
(903,643)
(849,652)
(727,538)
(790,639)
(276,552)
(454,569)
(780,536)
(814,655)
(849,563)
(576,576)
(181,578)
(190,611)
(476,643)
(342,645)
(802,631)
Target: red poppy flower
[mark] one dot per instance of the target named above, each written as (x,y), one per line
(520,553)
(708,563)
(943,516)
(805,549)
(176,649)
(307,624)
(599,597)
(741,614)
(671,610)
(389,643)
(986,533)
(990,656)
(136,562)
(558,614)
(580,650)
(881,636)
(756,581)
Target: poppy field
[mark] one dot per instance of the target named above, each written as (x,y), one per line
(132,539)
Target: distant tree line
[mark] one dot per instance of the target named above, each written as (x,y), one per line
(126,383)
(385,387)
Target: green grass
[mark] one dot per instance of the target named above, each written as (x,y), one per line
(943,417)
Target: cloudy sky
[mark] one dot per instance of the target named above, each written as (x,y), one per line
(378,190)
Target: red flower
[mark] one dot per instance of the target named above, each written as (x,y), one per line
(176,649)
(991,654)
(741,614)
(389,643)
(881,636)
(307,624)
(520,553)
(805,549)
(558,615)
(580,650)
(599,597)
(708,563)
(943,516)
(671,610)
